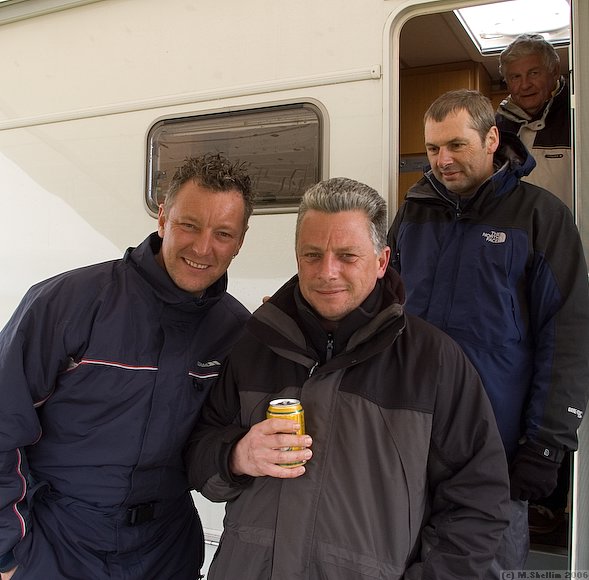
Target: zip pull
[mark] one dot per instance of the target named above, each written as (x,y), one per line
(312,370)
(458,209)
(329,350)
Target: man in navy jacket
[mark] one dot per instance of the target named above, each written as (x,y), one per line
(103,371)
(497,263)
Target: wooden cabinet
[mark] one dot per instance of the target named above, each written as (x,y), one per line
(496,98)
(419,88)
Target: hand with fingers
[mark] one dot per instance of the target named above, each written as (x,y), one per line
(270,445)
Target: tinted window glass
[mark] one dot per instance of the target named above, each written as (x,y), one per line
(281,145)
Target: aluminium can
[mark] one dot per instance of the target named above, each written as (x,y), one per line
(288,409)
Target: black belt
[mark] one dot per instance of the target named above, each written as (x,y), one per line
(140,514)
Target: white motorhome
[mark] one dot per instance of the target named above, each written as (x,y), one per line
(101,99)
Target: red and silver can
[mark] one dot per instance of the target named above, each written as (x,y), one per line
(288,409)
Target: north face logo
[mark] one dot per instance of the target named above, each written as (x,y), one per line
(495,237)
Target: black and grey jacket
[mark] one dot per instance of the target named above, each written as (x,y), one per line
(408,476)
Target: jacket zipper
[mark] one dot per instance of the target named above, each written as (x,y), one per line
(450,298)
(328,353)
(329,348)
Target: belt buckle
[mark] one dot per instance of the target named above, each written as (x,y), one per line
(140,514)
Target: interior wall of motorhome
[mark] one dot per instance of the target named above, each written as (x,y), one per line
(85,82)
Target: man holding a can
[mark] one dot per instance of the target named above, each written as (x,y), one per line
(407,475)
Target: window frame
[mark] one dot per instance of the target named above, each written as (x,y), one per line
(261,206)
(15,10)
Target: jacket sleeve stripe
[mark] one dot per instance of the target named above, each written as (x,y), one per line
(86,361)
(21,519)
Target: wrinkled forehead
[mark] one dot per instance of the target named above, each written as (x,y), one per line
(527,63)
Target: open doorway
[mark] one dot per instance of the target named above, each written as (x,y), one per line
(436,54)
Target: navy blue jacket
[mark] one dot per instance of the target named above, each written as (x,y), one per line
(504,274)
(103,371)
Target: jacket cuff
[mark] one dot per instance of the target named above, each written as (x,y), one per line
(229,442)
(7,562)
(539,447)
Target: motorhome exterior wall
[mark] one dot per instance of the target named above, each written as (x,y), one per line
(115,51)
(94,168)
(579,557)
(82,86)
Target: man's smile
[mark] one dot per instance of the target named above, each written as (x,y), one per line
(195,265)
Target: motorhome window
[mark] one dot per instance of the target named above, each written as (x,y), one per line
(14,10)
(281,145)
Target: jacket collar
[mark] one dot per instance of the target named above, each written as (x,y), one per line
(512,161)
(511,111)
(287,322)
(143,259)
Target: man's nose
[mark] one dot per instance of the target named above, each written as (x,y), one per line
(329,267)
(444,158)
(201,243)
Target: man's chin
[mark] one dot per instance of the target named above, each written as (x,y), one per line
(197,289)
(333,314)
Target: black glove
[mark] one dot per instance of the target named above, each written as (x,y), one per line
(532,475)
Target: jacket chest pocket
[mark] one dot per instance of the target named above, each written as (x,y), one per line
(487,278)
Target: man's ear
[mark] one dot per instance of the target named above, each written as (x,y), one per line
(383,261)
(161,220)
(492,140)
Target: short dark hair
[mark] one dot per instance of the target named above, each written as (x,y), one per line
(215,172)
(474,103)
(342,194)
(526,45)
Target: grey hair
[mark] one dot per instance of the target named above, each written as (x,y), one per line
(526,45)
(477,105)
(342,194)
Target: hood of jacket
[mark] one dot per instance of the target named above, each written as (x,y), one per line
(512,161)
(143,259)
(288,324)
